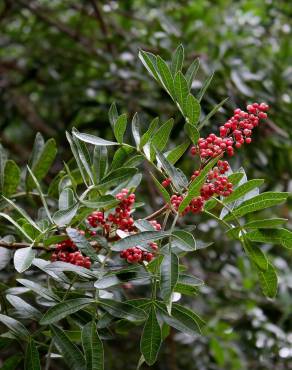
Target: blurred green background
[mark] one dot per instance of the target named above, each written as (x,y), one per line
(63,62)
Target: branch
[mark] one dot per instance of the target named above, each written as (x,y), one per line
(14,246)
(157,213)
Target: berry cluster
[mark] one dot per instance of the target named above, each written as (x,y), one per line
(165,183)
(120,219)
(135,255)
(235,132)
(66,251)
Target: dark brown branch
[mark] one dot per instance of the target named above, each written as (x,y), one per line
(14,246)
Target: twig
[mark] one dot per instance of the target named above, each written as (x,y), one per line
(157,213)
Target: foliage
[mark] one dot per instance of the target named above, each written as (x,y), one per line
(91,292)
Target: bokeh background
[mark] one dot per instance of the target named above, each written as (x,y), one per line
(63,62)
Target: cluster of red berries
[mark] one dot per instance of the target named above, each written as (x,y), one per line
(216,184)
(135,255)
(66,251)
(165,183)
(120,219)
(235,132)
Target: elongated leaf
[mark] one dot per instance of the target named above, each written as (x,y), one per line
(3,160)
(257,203)
(11,178)
(93,347)
(151,338)
(184,240)
(192,109)
(39,289)
(235,177)
(106,201)
(100,162)
(148,134)
(71,353)
(5,256)
(205,87)
(118,176)
(15,326)
(149,62)
(175,176)
(60,266)
(165,76)
(196,184)
(122,310)
(120,127)
(113,114)
(136,129)
(64,309)
(22,307)
(181,91)
(84,156)
(10,219)
(82,243)
(269,281)
(75,152)
(23,258)
(211,114)
(265,224)
(243,189)
(176,153)
(66,198)
(192,71)
(177,60)
(192,132)
(278,236)
(168,275)
(11,362)
(43,163)
(94,140)
(161,136)
(63,217)
(256,255)
(32,357)
(161,189)
(138,239)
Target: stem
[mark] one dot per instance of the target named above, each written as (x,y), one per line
(48,361)
(217,218)
(157,213)
(229,209)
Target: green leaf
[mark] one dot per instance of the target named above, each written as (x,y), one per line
(184,240)
(196,184)
(75,152)
(37,148)
(82,243)
(23,308)
(168,275)
(100,162)
(256,255)
(148,134)
(136,129)
(23,258)
(32,358)
(11,362)
(138,239)
(64,309)
(10,219)
(151,338)
(66,198)
(43,163)
(113,114)
(117,176)
(161,136)
(257,203)
(243,189)
(94,140)
(176,153)
(64,217)
(84,156)
(277,236)
(106,201)
(39,289)
(181,91)
(161,189)
(93,347)
(192,71)
(149,62)
(183,319)
(122,310)
(71,353)
(11,178)
(205,87)
(265,224)
(3,160)
(177,60)
(211,114)
(17,328)
(165,76)
(175,175)
(120,127)
(192,132)
(269,281)
(192,109)
(235,177)
(60,266)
